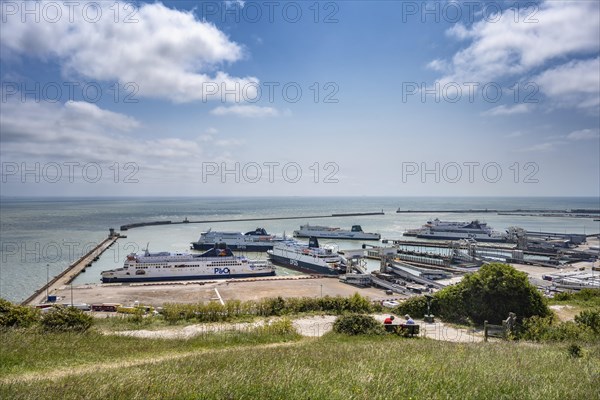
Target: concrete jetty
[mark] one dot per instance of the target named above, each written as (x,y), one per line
(67,276)
(213,221)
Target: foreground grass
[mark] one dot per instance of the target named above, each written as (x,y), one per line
(35,351)
(337,367)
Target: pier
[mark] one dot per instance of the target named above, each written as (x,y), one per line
(214,221)
(574,213)
(67,276)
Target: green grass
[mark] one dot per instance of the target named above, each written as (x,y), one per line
(35,351)
(332,367)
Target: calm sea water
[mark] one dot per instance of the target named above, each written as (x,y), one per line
(40,237)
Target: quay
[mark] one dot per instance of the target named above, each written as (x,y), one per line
(70,273)
(213,221)
(573,213)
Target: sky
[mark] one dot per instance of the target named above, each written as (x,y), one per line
(280,98)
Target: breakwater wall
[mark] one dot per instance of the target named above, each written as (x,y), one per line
(213,221)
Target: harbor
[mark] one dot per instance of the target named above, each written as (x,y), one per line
(392,267)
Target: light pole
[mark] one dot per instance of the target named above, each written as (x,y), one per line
(47,280)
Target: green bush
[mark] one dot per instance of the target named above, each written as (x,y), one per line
(575,350)
(541,329)
(16,316)
(358,324)
(589,318)
(277,306)
(414,306)
(283,326)
(62,318)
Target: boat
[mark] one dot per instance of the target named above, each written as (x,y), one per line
(356,233)
(216,263)
(256,240)
(308,258)
(445,230)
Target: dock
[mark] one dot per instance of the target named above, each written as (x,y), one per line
(214,221)
(67,276)
(573,213)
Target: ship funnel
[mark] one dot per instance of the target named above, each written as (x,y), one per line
(313,242)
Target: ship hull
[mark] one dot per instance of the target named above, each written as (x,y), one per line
(323,235)
(233,246)
(183,277)
(301,266)
(446,236)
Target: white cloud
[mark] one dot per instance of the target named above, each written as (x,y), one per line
(543,147)
(245,111)
(168,53)
(508,110)
(574,83)
(233,3)
(584,134)
(84,133)
(510,47)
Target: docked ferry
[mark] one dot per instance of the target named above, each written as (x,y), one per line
(356,233)
(256,240)
(444,230)
(217,263)
(308,258)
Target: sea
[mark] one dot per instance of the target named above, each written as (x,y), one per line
(40,237)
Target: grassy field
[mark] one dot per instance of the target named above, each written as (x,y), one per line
(263,365)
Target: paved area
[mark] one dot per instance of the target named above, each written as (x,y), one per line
(157,294)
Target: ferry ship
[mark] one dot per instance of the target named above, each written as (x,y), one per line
(256,240)
(217,263)
(308,258)
(445,230)
(356,233)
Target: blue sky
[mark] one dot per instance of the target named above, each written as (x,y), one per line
(378,114)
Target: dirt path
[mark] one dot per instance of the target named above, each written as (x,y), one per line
(315,326)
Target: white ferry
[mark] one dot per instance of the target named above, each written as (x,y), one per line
(308,258)
(444,230)
(256,240)
(356,233)
(217,263)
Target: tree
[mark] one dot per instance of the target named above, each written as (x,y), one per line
(488,294)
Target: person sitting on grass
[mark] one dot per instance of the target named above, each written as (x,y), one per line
(389,320)
(409,320)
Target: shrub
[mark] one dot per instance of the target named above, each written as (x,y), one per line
(541,329)
(358,324)
(62,318)
(414,306)
(283,326)
(15,316)
(575,351)
(589,318)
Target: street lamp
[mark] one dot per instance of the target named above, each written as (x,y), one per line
(47,281)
